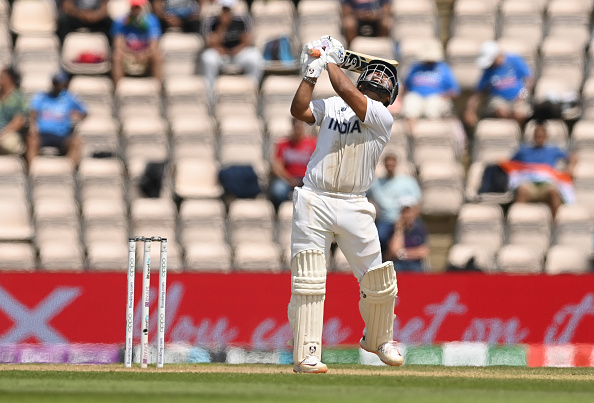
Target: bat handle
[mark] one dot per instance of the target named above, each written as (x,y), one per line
(314,52)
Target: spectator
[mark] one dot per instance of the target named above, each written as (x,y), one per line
(136,43)
(430,86)
(507,81)
(52,117)
(228,39)
(385,193)
(536,179)
(289,163)
(90,14)
(408,246)
(366,18)
(13,113)
(180,15)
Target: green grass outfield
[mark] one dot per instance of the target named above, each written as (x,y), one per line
(276,383)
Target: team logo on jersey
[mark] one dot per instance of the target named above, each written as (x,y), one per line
(344,127)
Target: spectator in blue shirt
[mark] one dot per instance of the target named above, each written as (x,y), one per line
(540,187)
(136,43)
(178,15)
(408,246)
(52,116)
(507,82)
(386,192)
(430,86)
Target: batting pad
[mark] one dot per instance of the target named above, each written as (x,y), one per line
(306,309)
(378,294)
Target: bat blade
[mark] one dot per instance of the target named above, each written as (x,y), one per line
(356,61)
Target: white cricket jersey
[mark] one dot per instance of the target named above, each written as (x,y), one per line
(347,150)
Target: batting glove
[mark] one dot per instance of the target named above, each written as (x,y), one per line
(335,52)
(305,58)
(315,67)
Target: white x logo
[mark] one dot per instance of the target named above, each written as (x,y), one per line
(35,321)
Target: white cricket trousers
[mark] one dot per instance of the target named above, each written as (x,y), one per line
(319,218)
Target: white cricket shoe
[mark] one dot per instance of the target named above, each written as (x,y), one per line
(311,365)
(387,353)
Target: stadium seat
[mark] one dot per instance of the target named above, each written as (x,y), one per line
(278,127)
(530,225)
(522,20)
(442,188)
(104,232)
(208,256)
(244,154)
(34,82)
(566,259)
(480,225)
(13,178)
(196,178)
(461,54)
(104,212)
(49,212)
(569,19)
(557,88)
(583,182)
(180,53)
(257,256)
(185,90)
(57,255)
(107,256)
(241,130)
(284,223)
(153,211)
(19,256)
(582,140)
(474,19)
(193,136)
(519,259)
(250,220)
(574,226)
(239,89)
(460,255)
(37,54)
(587,95)
(202,220)
(100,135)
(276,95)
(86,53)
(117,8)
(96,92)
(374,46)
(138,91)
(52,177)
(33,17)
(562,57)
(495,140)
(433,141)
(16,220)
(414,19)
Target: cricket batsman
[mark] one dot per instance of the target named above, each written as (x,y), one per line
(331,205)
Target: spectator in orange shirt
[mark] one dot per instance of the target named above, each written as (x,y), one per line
(289,163)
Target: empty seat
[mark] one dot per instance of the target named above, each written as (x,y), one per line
(241,130)
(566,259)
(583,181)
(63,256)
(480,225)
(33,17)
(153,211)
(105,232)
(208,256)
(236,89)
(52,177)
(196,178)
(582,140)
(193,137)
(34,53)
(441,185)
(574,226)
(95,91)
(474,19)
(276,94)
(415,18)
(257,256)
(180,53)
(529,224)
(461,54)
(202,221)
(144,91)
(471,257)
(251,220)
(17,256)
(433,140)
(521,20)
(495,140)
(285,223)
(373,46)
(519,259)
(562,58)
(107,256)
(13,178)
(569,19)
(104,211)
(49,212)
(185,90)
(86,53)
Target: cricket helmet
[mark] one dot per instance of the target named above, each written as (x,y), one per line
(381,77)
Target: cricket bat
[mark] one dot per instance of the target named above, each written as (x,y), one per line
(354,61)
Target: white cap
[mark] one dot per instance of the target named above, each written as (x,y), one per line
(489,51)
(227,3)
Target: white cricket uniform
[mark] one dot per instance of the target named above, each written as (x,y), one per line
(332,204)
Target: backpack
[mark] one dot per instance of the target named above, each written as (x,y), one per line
(279,49)
(240,181)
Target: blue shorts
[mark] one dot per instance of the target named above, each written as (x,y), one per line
(52,140)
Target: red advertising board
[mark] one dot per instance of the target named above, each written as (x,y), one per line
(250,309)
